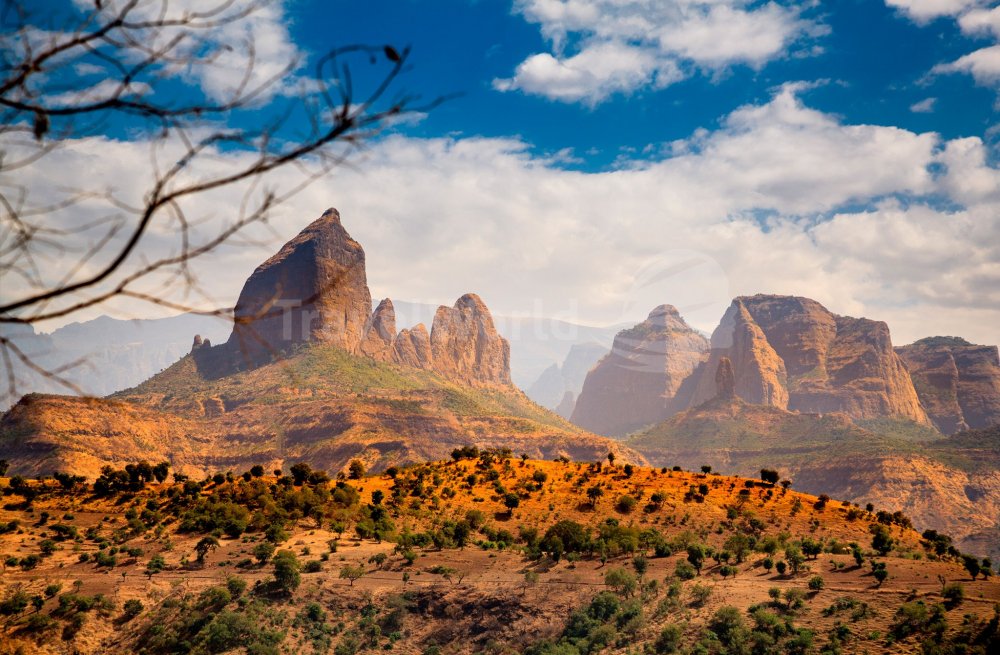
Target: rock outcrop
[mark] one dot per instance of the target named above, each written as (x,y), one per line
(313,290)
(640,381)
(412,347)
(958,382)
(759,375)
(380,331)
(794,354)
(465,344)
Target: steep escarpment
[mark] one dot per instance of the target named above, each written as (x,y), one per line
(958,382)
(793,353)
(641,381)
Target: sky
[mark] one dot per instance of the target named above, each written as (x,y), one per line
(592,159)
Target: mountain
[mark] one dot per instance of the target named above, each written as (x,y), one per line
(793,353)
(641,381)
(895,464)
(309,373)
(957,382)
(110,354)
(559,385)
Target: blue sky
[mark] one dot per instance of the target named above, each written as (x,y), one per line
(602,157)
(875,63)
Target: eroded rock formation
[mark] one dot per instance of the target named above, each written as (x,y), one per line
(640,381)
(958,382)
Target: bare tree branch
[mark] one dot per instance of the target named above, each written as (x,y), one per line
(143,57)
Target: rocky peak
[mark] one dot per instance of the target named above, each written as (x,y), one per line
(466,345)
(640,381)
(793,353)
(312,290)
(412,347)
(958,382)
(379,333)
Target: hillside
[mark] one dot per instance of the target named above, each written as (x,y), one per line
(432,559)
(948,485)
(322,405)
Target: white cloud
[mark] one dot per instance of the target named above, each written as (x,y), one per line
(981,21)
(620,46)
(592,75)
(924,10)
(974,20)
(759,205)
(248,47)
(925,106)
(983,65)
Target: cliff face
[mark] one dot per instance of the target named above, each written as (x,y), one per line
(465,344)
(312,290)
(380,331)
(957,382)
(641,380)
(794,354)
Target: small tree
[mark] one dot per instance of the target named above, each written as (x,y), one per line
(620,580)
(356,469)
(155,565)
(511,500)
(594,494)
(706,469)
(263,551)
(696,556)
(203,547)
(794,557)
(287,571)
(769,476)
(351,573)
(882,540)
(971,565)
(257,471)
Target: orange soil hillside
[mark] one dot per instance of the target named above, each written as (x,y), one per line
(423,587)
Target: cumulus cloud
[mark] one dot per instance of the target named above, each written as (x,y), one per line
(983,65)
(974,20)
(781,198)
(606,47)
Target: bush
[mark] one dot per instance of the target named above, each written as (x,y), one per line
(132,608)
(953,594)
(684,570)
(626,504)
(621,581)
(700,594)
(816,583)
(286,571)
(668,640)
